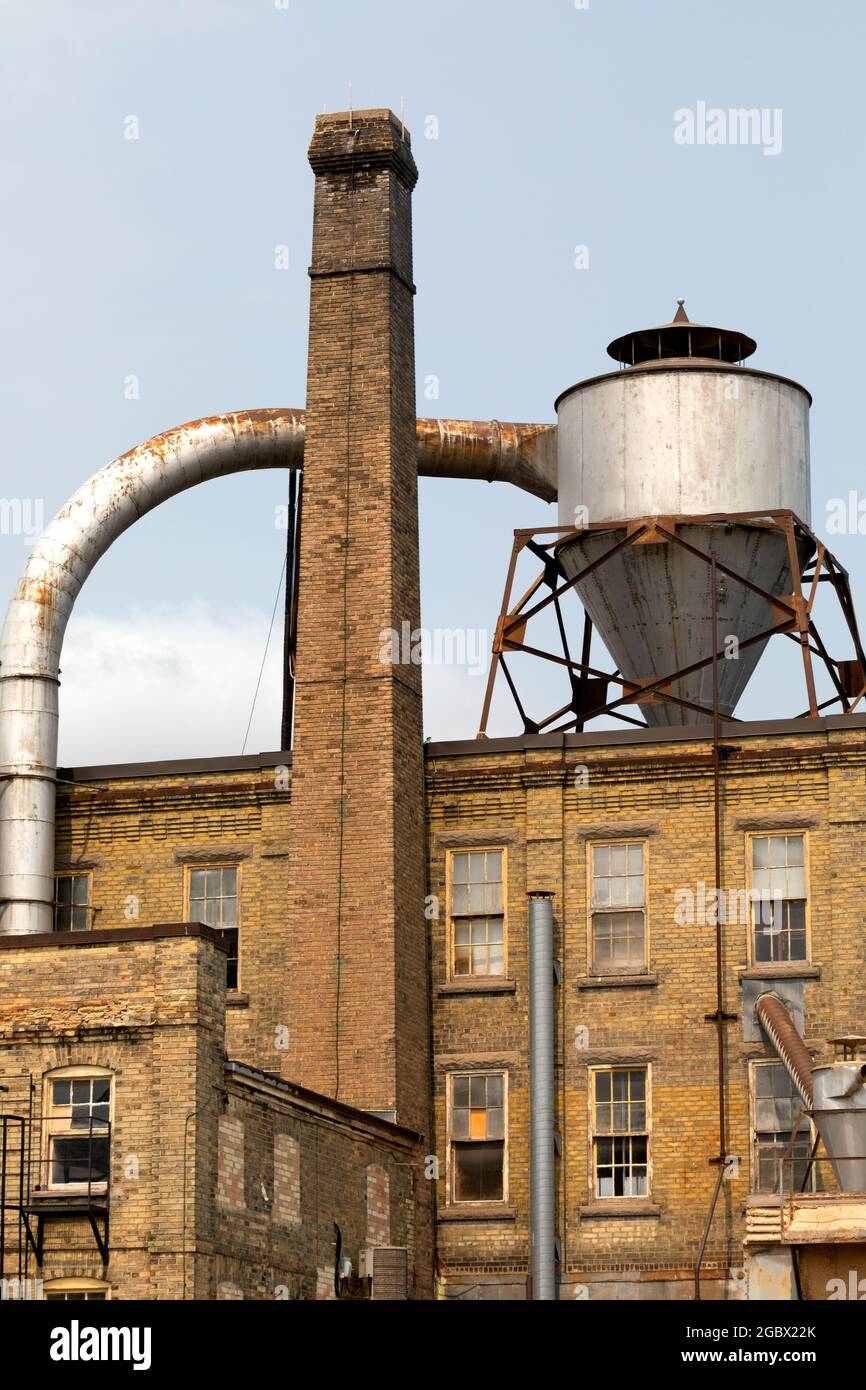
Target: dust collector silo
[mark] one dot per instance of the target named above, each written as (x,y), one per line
(680,431)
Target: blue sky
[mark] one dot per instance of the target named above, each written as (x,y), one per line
(154,258)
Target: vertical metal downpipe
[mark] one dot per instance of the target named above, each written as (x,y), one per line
(541,1024)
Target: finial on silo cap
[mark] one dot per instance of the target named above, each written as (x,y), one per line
(680,316)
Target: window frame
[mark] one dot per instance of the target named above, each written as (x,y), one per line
(452,976)
(72,1285)
(754,1189)
(88,906)
(450,1164)
(592,1072)
(237,865)
(622,972)
(751,836)
(50,1131)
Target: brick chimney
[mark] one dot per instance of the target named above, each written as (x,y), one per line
(357,981)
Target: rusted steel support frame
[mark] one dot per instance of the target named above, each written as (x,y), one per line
(803,615)
(799,626)
(491,678)
(706,1235)
(639,690)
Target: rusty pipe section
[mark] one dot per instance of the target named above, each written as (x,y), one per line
(106,506)
(110,502)
(524,455)
(792,1051)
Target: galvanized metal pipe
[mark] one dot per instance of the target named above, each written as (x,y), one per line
(543,1153)
(80,534)
(36,620)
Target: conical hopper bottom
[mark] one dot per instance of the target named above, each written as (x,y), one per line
(651,605)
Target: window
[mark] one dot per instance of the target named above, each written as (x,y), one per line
(478,1138)
(72,909)
(74,1291)
(477,913)
(778,898)
(618,909)
(776,1105)
(620,1132)
(213,899)
(77,1127)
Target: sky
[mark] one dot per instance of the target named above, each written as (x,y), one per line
(140,289)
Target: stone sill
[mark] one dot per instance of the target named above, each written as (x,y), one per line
(787,970)
(237,1001)
(478,986)
(617,981)
(618,1207)
(478,1211)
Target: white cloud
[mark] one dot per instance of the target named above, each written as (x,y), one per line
(178,682)
(167,683)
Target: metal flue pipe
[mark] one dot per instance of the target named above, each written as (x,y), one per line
(524,455)
(32,636)
(106,506)
(776,1020)
(543,1153)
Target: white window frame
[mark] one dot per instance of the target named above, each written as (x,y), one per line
(59,1128)
(607,843)
(778,833)
(452,920)
(593,1072)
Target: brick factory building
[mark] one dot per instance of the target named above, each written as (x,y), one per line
(495,1019)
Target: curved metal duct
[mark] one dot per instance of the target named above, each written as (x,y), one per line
(793,1052)
(541,1081)
(106,506)
(524,455)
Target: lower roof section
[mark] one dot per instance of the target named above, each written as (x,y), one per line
(617,738)
(524,743)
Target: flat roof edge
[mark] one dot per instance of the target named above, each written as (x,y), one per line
(250,762)
(613,738)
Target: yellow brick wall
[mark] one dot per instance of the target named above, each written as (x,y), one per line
(139,835)
(663,793)
(151,1012)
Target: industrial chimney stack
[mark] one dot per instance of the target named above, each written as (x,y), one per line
(356,1006)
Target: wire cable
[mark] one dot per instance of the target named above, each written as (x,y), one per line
(265,657)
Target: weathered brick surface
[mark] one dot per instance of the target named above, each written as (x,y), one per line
(356,980)
(223,1185)
(528,802)
(151,1012)
(139,836)
(307,1167)
(230,1162)
(287,1180)
(378,1206)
